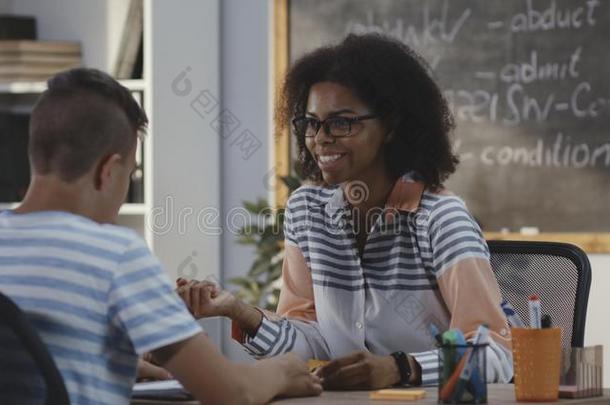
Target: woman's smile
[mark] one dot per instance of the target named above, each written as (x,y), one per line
(330,161)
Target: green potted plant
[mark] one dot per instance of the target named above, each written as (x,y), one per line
(261,285)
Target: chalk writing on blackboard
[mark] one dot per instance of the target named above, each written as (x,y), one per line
(529,84)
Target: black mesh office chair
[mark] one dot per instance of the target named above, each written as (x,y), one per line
(559,272)
(28,374)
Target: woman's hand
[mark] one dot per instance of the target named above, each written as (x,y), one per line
(359,371)
(205,299)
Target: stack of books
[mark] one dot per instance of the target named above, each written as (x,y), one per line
(28,60)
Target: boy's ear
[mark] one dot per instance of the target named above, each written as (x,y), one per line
(106,170)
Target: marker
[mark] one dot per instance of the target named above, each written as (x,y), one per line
(546,321)
(481,337)
(511,315)
(535,311)
(436,334)
(455,344)
(451,381)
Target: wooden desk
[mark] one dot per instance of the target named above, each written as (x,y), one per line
(496,394)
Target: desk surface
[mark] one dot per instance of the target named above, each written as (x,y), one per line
(497,394)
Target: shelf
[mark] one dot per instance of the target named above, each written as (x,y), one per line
(39,87)
(134,209)
(8,206)
(126,209)
(134,84)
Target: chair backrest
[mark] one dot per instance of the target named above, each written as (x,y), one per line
(559,273)
(28,374)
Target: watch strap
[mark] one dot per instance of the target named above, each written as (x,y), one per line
(403,367)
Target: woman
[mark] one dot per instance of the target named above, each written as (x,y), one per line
(380,251)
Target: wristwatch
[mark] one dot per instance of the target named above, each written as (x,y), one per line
(403,367)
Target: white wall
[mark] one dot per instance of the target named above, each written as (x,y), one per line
(183,53)
(598,315)
(245,92)
(6,6)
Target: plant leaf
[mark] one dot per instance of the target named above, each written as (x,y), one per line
(256,207)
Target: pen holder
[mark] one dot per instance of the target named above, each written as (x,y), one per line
(537,363)
(462,375)
(582,372)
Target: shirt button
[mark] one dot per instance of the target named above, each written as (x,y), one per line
(503,332)
(359,325)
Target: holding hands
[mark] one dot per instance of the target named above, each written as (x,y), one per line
(205,299)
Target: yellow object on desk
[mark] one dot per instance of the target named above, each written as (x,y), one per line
(398,394)
(315,364)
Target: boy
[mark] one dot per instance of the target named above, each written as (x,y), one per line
(94,292)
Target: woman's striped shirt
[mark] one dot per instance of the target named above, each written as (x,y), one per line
(425,262)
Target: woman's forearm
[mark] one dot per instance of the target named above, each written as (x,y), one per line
(247,317)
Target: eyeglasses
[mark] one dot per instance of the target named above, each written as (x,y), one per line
(334,126)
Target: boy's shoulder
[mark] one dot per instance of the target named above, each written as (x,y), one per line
(71,227)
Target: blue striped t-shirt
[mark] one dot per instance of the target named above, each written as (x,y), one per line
(96,295)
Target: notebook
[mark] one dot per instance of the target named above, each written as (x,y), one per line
(168,389)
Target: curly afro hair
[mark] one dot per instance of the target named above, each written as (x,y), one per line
(396,83)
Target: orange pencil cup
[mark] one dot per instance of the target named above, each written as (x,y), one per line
(537,364)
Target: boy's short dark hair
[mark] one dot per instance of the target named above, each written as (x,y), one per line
(82,116)
(396,83)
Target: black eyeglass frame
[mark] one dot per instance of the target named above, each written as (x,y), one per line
(324,124)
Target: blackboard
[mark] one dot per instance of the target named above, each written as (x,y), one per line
(529,84)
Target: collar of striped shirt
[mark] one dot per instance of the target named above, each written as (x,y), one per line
(405,196)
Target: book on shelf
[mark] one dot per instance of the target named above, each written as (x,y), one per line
(28,69)
(16,58)
(67,48)
(36,60)
(127,64)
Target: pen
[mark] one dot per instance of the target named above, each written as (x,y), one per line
(535,311)
(452,380)
(454,342)
(511,315)
(546,321)
(481,337)
(455,337)
(436,334)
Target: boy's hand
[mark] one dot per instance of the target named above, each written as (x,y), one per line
(205,299)
(298,381)
(149,371)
